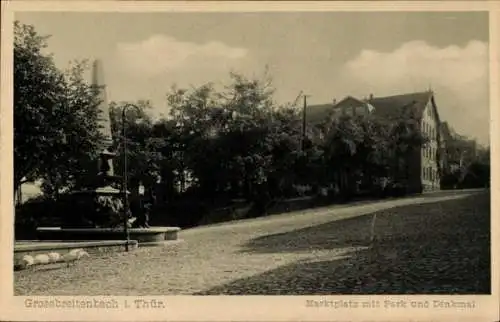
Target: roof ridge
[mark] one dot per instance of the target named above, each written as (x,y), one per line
(348,97)
(406,94)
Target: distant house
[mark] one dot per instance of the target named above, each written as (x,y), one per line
(317,114)
(353,107)
(28,191)
(425,165)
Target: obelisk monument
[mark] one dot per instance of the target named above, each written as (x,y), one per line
(105,162)
(94,204)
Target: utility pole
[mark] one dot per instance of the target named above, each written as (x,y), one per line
(304,122)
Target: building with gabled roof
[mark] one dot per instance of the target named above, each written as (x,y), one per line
(424,167)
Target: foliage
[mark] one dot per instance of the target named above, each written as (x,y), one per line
(110,208)
(248,139)
(234,142)
(55,116)
(138,131)
(108,203)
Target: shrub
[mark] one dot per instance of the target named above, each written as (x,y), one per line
(39,211)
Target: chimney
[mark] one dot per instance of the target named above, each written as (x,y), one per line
(334,101)
(370,97)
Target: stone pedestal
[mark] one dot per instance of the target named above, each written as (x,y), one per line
(93,208)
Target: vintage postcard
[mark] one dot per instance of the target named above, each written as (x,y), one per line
(249,161)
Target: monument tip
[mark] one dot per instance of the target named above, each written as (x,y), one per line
(97,73)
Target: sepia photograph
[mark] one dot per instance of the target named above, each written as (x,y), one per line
(318,153)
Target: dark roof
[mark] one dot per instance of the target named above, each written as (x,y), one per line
(349,101)
(316,114)
(387,107)
(398,105)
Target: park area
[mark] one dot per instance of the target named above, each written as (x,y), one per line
(436,243)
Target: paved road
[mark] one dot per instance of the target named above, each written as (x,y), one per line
(436,243)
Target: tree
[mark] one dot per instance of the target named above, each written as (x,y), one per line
(404,139)
(373,150)
(361,148)
(236,141)
(55,116)
(198,119)
(342,141)
(143,155)
(37,85)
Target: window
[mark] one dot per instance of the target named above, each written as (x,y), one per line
(360,110)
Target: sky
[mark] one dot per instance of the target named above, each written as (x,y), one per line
(328,55)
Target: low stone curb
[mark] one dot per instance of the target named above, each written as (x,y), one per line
(24,254)
(28,261)
(164,243)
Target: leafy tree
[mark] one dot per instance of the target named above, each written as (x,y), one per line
(55,116)
(341,148)
(402,138)
(235,141)
(198,120)
(143,157)
(361,148)
(37,89)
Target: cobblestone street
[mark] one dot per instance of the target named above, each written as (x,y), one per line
(432,244)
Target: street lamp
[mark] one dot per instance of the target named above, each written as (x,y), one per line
(125,174)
